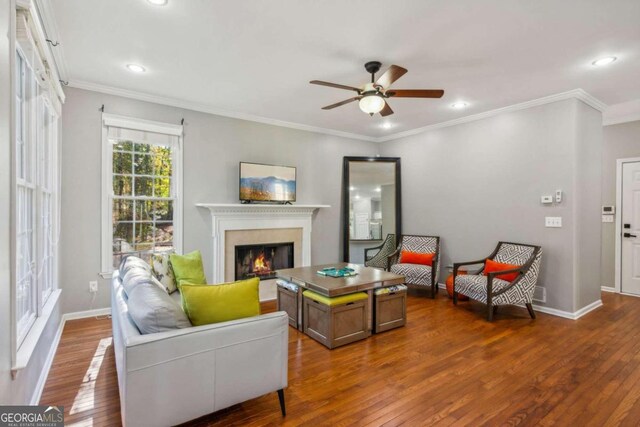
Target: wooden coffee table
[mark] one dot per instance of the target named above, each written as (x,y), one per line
(367,280)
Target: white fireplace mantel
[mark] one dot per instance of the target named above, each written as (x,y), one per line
(236,216)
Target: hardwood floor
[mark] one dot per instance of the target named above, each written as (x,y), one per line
(448,366)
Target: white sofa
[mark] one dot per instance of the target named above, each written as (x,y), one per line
(171,377)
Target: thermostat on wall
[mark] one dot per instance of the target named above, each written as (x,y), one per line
(608,210)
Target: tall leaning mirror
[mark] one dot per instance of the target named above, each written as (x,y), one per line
(371,209)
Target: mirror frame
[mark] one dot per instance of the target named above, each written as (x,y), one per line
(345,197)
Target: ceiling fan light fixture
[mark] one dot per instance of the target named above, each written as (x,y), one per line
(371,104)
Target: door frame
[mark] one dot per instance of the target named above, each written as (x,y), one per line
(619,164)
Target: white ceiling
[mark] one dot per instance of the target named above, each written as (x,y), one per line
(255,57)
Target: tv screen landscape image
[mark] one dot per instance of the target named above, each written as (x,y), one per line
(267,183)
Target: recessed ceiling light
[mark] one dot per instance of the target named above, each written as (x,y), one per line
(357,196)
(158,2)
(459,105)
(378,189)
(352,188)
(603,61)
(387,125)
(136,68)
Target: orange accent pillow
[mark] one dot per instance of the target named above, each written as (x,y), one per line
(407,257)
(491,266)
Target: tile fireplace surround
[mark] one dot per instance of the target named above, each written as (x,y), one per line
(262,221)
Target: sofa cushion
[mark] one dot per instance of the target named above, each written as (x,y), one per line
(205,304)
(153,310)
(130,262)
(188,268)
(161,268)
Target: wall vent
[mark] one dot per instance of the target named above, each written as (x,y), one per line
(540,294)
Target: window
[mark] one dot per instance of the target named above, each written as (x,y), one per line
(142,189)
(36,198)
(26,308)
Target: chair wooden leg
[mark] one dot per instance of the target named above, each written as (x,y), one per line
(489,313)
(434,290)
(531,312)
(455,298)
(281,399)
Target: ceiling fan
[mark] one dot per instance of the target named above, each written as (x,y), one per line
(372,97)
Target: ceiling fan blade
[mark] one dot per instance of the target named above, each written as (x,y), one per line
(338,104)
(386,111)
(415,93)
(391,75)
(337,86)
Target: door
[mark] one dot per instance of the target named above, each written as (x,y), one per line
(630,269)
(362,226)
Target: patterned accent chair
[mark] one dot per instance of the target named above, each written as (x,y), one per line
(493,291)
(380,259)
(417,275)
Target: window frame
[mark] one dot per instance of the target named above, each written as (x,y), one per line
(37,136)
(25,182)
(112,120)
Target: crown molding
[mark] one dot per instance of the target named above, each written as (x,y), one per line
(622,113)
(204,108)
(575,93)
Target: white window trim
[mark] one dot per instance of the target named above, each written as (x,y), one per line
(21,352)
(107,182)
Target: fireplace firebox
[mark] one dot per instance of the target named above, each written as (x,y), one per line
(262,261)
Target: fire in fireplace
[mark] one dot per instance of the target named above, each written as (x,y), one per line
(262,260)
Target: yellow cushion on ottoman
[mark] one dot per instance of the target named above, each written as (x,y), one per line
(342,299)
(205,304)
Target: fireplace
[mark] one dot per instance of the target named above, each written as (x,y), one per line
(262,261)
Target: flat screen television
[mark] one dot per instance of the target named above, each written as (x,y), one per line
(267,183)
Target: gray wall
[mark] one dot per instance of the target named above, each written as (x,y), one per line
(213,147)
(587,189)
(620,141)
(480,182)
(21,389)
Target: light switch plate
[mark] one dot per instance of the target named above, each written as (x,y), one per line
(553,221)
(546,199)
(607,218)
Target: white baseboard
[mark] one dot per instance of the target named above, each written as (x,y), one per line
(87,313)
(608,289)
(44,374)
(561,313)
(566,314)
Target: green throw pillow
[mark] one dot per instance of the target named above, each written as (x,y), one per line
(205,304)
(188,268)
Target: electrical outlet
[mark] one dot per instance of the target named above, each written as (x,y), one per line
(553,221)
(93,286)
